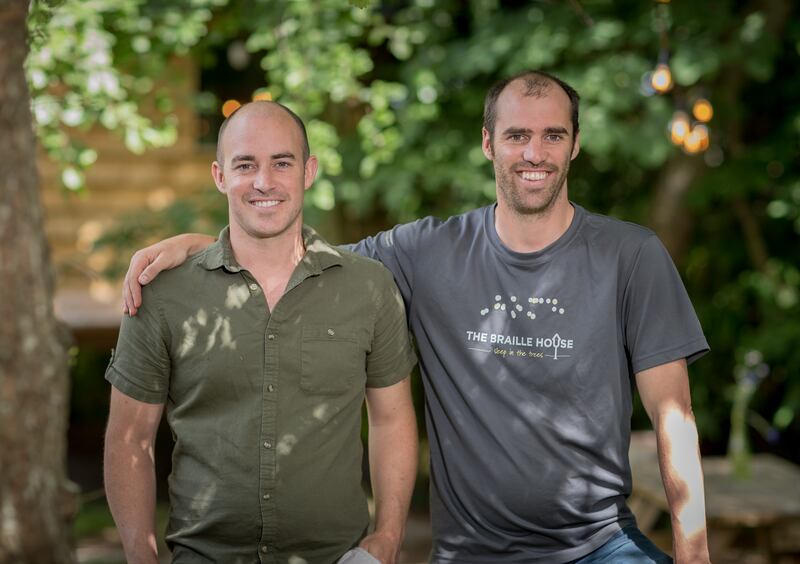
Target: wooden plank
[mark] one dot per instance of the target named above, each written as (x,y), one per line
(769,497)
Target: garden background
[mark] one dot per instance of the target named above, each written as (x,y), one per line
(125,97)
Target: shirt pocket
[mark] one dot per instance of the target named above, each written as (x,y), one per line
(332,359)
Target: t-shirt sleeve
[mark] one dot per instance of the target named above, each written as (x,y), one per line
(394,248)
(660,323)
(140,365)
(391,356)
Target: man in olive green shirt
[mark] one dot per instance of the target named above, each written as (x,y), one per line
(263,348)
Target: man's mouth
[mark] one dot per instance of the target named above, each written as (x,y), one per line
(534,175)
(265,203)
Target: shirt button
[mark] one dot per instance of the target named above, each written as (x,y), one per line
(254,287)
(265,496)
(270,387)
(267,444)
(331,332)
(264,548)
(271,337)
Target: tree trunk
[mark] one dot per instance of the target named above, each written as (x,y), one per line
(35,508)
(670,219)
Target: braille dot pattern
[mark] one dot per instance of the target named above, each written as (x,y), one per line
(515,307)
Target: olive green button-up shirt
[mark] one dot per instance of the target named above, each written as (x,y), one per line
(265,407)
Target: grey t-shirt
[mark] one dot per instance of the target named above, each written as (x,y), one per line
(527,363)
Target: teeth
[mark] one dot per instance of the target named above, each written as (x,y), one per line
(534,175)
(266,204)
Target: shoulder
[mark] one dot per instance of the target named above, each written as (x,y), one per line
(612,233)
(176,281)
(431,228)
(361,268)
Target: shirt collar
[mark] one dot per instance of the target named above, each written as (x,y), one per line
(319,254)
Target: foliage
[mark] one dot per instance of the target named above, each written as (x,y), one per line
(92,62)
(393,93)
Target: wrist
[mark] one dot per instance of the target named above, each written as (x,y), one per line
(691,551)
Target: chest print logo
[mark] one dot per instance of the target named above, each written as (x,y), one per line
(515,343)
(556,342)
(536,306)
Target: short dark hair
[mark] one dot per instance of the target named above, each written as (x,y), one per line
(536,84)
(294,116)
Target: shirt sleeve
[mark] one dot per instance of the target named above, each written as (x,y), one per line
(391,356)
(660,323)
(140,365)
(394,248)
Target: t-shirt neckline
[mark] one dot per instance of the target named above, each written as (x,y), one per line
(537,257)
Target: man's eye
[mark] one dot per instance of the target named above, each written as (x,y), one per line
(243,166)
(283,164)
(554,137)
(517,138)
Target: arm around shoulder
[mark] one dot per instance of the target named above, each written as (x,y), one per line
(148,262)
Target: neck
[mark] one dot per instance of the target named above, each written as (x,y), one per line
(270,256)
(529,233)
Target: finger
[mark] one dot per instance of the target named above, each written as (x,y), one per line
(135,289)
(130,306)
(152,270)
(131,288)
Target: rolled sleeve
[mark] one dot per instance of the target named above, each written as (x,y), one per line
(391,357)
(140,366)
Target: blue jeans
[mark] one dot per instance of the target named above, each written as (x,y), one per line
(628,546)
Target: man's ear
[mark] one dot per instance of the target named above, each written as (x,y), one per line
(486,144)
(576,146)
(311,167)
(216,173)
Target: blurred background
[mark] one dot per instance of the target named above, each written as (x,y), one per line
(690,124)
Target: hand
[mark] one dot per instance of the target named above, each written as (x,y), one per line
(148,262)
(383,546)
(692,550)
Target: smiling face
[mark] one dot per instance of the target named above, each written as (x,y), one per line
(263,173)
(531,149)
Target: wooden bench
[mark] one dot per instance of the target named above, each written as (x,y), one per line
(768,502)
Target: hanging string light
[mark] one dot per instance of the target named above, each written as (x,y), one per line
(702,110)
(661,79)
(230,106)
(689,132)
(679,127)
(262,95)
(697,141)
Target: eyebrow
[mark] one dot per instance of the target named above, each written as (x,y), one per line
(527,131)
(517,131)
(285,155)
(274,157)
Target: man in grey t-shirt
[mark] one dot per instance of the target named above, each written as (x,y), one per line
(533,319)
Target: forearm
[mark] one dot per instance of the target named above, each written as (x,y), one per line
(681,472)
(393,467)
(193,242)
(130,485)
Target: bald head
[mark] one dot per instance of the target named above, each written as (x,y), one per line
(265,109)
(534,84)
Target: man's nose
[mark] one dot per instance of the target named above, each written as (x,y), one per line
(534,151)
(262,180)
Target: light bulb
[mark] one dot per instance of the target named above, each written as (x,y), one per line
(262,96)
(662,79)
(703,110)
(230,106)
(697,140)
(679,127)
